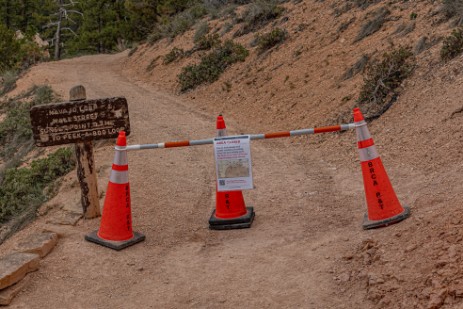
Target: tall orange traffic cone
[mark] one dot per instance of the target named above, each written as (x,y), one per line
(383,205)
(116,222)
(231,211)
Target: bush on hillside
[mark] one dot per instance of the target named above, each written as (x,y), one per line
(211,65)
(22,189)
(173,55)
(8,81)
(382,79)
(208,42)
(357,67)
(259,14)
(15,129)
(452,45)
(201,30)
(171,26)
(270,39)
(374,24)
(453,8)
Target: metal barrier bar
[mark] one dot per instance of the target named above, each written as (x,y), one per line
(342,127)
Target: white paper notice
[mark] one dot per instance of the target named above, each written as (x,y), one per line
(233,163)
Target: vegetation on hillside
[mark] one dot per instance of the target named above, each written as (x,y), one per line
(382,79)
(212,65)
(15,127)
(24,189)
(453,45)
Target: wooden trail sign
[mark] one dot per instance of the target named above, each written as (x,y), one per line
(78,121)
(81,121)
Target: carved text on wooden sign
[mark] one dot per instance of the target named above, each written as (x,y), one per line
(78,121)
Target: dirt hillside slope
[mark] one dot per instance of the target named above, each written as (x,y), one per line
(306,248)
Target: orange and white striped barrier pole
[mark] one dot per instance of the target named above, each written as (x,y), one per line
(337,128)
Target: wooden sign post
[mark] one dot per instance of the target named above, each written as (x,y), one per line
(81,121)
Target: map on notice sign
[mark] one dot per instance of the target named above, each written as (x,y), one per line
(233,163)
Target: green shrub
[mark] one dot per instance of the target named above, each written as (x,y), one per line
(452,45)
(382,79)
(259,14)
(173,55)
(153,63)
(201,31)
(133,51)
(271,39)
(154,36)
(453,8)
(8,82)
(15,129)
(211,65)
(170,27)
(374,24)
(226,28)
(358,67)
(17,54)
(9,49)
(22,189)
(208,42)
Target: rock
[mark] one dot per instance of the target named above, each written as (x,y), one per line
(441,263)
(15,266)
(348,257)
(61,231)
(7,295)
(411,248)
(40,243)
(344,277)
(374,279)
(66,218)
(452,251)
(374,295)
(437,299)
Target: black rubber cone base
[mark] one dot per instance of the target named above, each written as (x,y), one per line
(371,224)
(242,222)
(113,244)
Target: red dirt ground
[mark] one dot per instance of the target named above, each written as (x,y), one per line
(306,248)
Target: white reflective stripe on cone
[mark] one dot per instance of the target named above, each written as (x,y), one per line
(369,153)
(362,131)
(120,158)
(221,132)
(119,177)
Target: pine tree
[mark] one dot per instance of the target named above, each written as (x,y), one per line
(9,48)
(104,25)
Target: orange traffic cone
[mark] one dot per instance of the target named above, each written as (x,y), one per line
(383,205)
(116,222)
(231,211)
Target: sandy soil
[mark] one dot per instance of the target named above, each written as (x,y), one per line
(306,248)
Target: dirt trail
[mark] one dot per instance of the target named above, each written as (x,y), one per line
(308,214)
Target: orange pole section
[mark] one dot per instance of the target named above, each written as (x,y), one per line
(327,129)
(278,134)
(177,144)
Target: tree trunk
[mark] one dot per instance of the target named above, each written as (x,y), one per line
(57,37)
